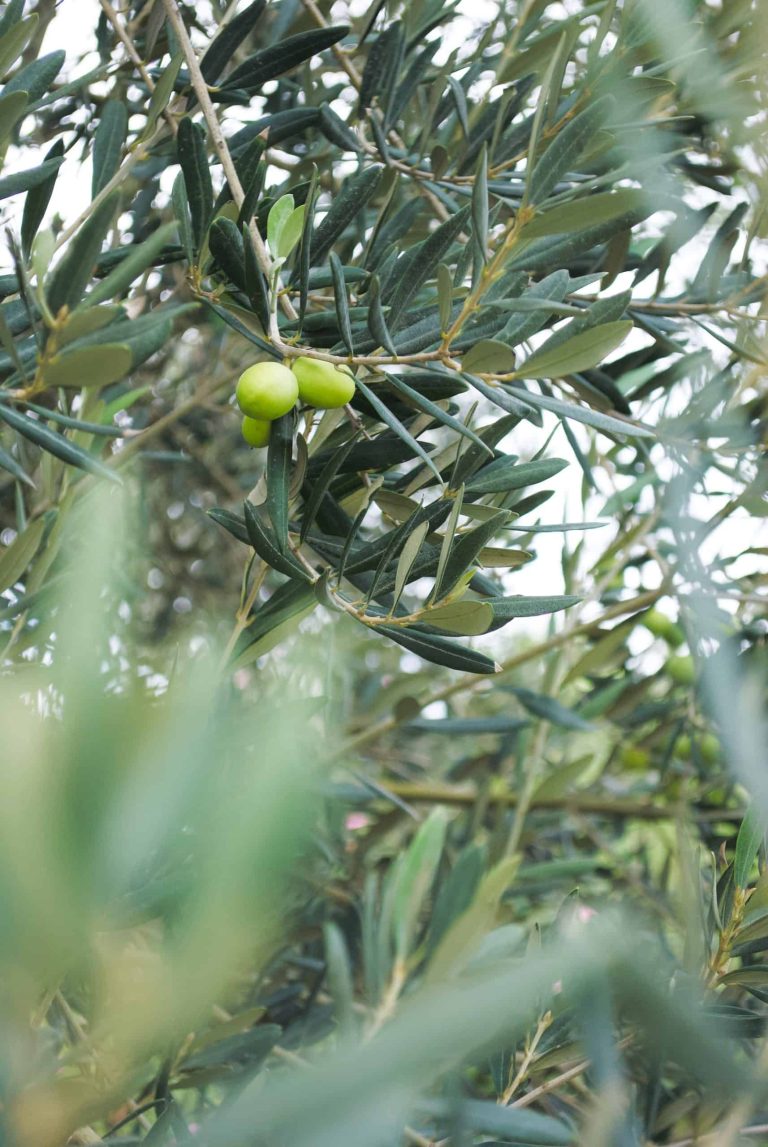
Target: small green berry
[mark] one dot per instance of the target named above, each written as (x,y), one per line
(633,757)
(256,431)
(267,390)
(681,670)
(323,385)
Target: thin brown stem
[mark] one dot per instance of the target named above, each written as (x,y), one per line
(416,793)
(125,39)
(221,148)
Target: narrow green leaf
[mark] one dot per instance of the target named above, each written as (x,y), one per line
(12,13)
(38,198)
(537,121)
(321,484)
(466,548)
(414,880)
(269,63)
(305,251)
(88,366)
(193,159)
(395,506)
(588,211)
(54,443)
(276,220)
(108,143)
(232,321)
(550,709)
(567,146)
(279,477)
(748,843)
(73,272)
(428,407)
(464,618)
(439,650)
(408,555)
(377,324)
(489,356)
(100,428)
(496,557)
(350,200)
(15,558)
(229,40)
(252,171)
(180,205)
(445,548)
(594,418)
(270,631)
(507,474)
(340,977)
(162,93)
(581,352)
(265,544)
(389,545)
(292,232)
(460,103)
(444,296)
(507,608)
(336,130)
(456,891)
(512,1125)
(225,243)
(466,726)
(12,467)
(422,261)
(382,68)
(26,180)
(389,419)
(341,302)
(232,523)
(12,108)
(142,256)
(36,78)
(480,204)
(15,41)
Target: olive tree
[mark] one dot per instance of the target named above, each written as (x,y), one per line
(448,264)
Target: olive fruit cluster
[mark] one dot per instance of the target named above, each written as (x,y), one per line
(268,390)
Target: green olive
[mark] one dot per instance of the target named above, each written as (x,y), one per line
(681,670)
(710,748)
(662,626)
(323,385)
(267,390)
(256,431)
(633,757)
(683,747)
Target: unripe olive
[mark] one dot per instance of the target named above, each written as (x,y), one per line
(662,626)
(256,431)
(683,747)
(710,748)
(681,670)
(323,385)
(633,757)
(267,390)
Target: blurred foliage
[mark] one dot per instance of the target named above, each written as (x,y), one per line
(398,853)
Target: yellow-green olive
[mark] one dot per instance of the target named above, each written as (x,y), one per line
(256,431)
(662,626)
(633,757)
(684,747)
(267,390)
(323,385)
(710,748)
(681,670)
